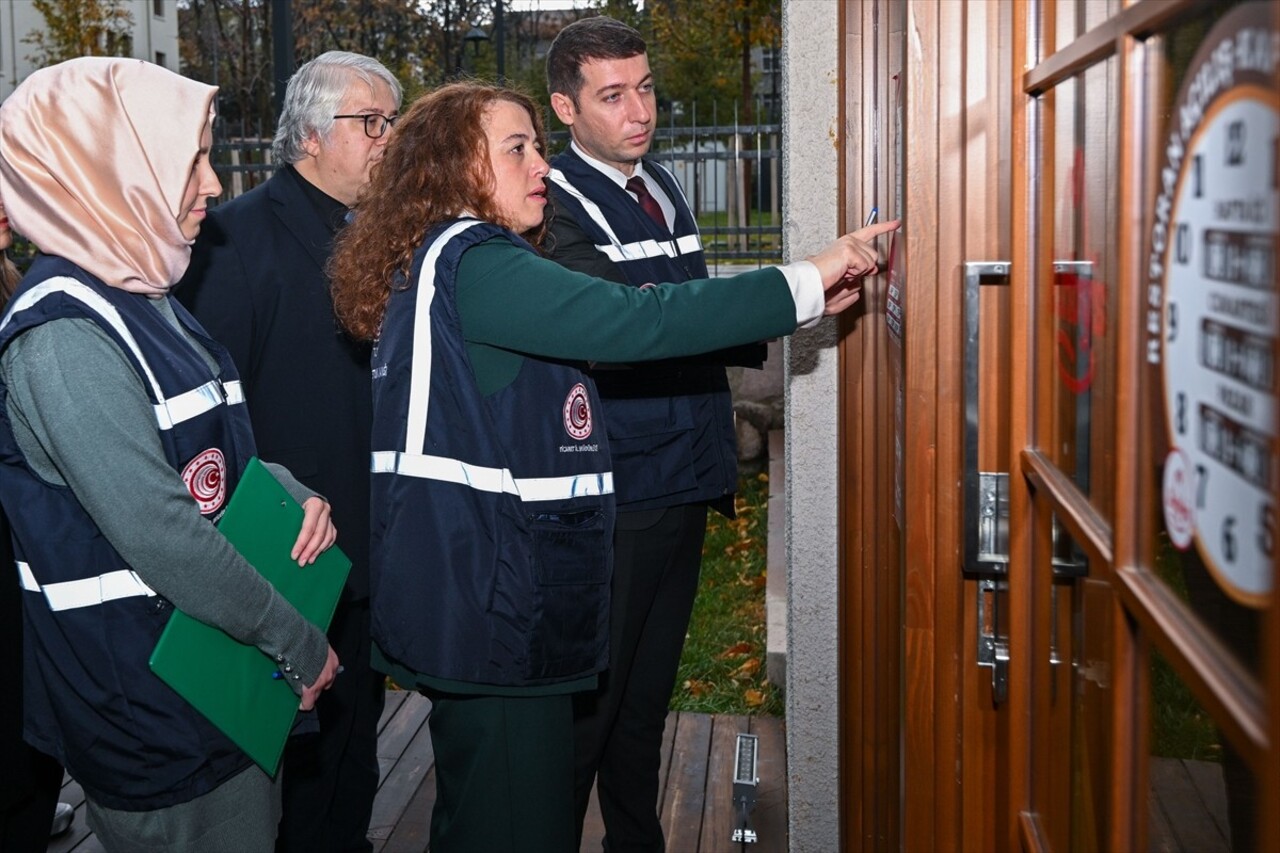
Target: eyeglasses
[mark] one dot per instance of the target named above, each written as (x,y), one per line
(375,125)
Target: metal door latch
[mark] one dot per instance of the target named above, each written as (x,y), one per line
(745,781)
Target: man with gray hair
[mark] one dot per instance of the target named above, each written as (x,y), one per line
(257,282)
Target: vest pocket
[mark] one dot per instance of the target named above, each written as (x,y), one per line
(568,548)
(571,566)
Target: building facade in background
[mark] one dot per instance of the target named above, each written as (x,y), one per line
(152,34)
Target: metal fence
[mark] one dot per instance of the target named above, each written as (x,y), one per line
(731,176)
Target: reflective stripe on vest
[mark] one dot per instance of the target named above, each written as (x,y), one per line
(197,401)
(411,462)
(174,410)
(485,479)
(616,250)
(86,592)
(420,370)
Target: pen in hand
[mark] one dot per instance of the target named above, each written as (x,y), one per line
(871,217)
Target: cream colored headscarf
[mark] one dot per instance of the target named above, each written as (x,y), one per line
(95,156)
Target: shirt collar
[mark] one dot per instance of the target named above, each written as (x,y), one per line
(332,212)
(610,172)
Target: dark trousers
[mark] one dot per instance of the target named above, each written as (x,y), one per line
(29,779)
(504,773)
(618,728)
(330,777)
(28,795)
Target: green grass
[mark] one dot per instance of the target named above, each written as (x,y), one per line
(755,219)
(722,670)
(769,244)
(1180,727)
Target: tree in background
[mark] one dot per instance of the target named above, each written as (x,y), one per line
(227,43)
(396,33)
(701,50)
(80,28)
(701,53)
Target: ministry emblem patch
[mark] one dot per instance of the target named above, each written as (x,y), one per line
(577,412)
(206,479)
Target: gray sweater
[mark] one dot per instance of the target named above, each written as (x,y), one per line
(82,419)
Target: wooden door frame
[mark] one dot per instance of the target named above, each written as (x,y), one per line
(980,804)
(904,600)
(1146,611)
(870,619)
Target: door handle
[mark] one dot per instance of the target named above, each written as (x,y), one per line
(986,493)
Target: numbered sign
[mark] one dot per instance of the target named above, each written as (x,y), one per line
(1213,275)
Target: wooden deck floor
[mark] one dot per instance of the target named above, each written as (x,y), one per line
(1187,802)
(1187,807)
(696,791)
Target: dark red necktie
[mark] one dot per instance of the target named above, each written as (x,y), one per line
(648,203)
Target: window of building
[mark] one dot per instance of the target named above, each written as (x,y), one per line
(161,59)
(770,60)
(157,8)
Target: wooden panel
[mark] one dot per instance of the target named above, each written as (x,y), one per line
(1181,803)
(413,831)
(958,77)
(392,704)
(400,730)
(697,751)
(668,747)
(857,91)
(1016,732)
(593,822)
(870,615)
(770,814)
(719,817)
(401,784)
(975,198)
(686,783)
(1160,837)
(930,808)
(1139,18)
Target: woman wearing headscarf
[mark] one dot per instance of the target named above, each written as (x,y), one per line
(29,779)
(492,484)
(122,434)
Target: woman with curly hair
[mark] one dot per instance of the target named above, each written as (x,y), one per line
(492,486)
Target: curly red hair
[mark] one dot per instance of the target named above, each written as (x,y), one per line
(435,168)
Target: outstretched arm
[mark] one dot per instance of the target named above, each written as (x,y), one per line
(844,264)
(512,299)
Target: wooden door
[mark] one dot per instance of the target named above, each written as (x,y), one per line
(1142,524)
(1090,648)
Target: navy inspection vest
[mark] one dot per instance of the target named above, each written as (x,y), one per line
(90,622)
(492,514)
(670,423)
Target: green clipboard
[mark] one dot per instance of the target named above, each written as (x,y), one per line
(232,684)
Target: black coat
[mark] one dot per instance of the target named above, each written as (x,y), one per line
(257,282)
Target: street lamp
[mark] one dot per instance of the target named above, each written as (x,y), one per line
(474,37)
(499,34)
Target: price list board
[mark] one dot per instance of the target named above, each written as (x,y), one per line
(1212,304)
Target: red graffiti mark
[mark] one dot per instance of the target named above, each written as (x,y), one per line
(1080,301)
(1081,311)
